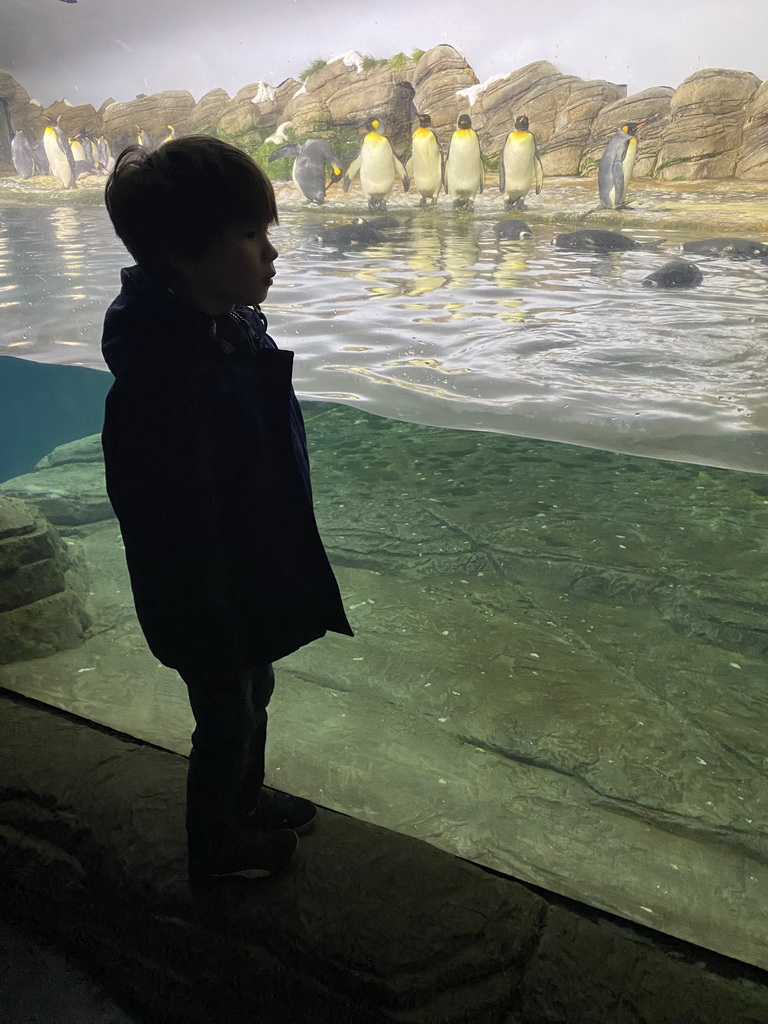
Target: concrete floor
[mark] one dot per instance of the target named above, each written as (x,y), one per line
(41,985)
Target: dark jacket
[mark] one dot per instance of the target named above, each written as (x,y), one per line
(207,471)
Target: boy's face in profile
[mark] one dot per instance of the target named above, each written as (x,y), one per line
(237,268)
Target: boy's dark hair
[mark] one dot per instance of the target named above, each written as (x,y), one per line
(175,201)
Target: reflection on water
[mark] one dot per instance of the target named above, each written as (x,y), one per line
(444,323)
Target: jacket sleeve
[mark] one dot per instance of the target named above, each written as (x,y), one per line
(167,468)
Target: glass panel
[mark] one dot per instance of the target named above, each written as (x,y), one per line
(539,475)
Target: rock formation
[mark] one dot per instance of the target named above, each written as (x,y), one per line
(42,586)
(704,133)
(714,125)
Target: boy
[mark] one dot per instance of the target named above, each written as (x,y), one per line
(207,471)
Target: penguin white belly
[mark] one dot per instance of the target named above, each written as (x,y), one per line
(377,170)
(464,169)
(60,166)
(628,164)
(519,167)
(427,171)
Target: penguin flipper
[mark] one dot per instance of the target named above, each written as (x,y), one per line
(502,173)
(617,174)
(539,168)
(283,151)
(353,170)
(409,166)
(399,169)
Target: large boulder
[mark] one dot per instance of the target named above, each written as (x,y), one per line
(752,157)
(78,119)
(152,113)
(560,109)
(563,151)
(207,110)
(651,106)
(705,131)
(42,586)
(439,75)
(352,93)
(68,485)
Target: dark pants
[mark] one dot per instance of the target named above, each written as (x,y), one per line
(226,763)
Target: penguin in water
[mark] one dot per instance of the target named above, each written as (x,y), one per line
(309,167)
(377,165)
(22,155)
(675,274)
(59,154)
(464,165)
(519,166)
(512,229)
(729,248)
(616,165)
(425,166)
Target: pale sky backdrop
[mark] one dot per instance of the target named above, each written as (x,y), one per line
(88,51)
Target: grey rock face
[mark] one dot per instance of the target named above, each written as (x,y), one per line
(705,133)
(41,586)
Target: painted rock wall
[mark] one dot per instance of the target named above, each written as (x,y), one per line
(714,125)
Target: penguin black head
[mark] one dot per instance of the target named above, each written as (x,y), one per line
(521,123)
(631,126)
(465,121)
(371,125)
(425,120)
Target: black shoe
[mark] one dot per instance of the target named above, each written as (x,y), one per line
(247,853)
(276,810)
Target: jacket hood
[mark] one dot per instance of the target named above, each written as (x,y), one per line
(146,319)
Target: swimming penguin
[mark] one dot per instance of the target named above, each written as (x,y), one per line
(513,229)
(59,154)
(425,165)
(309,167)
(377,164)
(675,274)
(22,155)
(731,248)
(519,166)
(464,164)
(616,165)
(594,240)
(344,236)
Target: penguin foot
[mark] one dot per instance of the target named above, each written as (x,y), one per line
(423,201)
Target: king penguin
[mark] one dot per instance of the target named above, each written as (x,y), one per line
(142,138)
(425,167)
(59,154)
(171,133)
(616,165)
(464,165)
(21,154)
(377,165)
(519,166)
(106,160)
(309,167)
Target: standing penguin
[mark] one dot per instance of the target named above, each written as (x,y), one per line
(143,138)
(59,154)
(519,165)
(425,166)
(377,164)
(79,155)
(464,165)
(171,133)
(106,161)
(616,165)
(22,155)
(309,167)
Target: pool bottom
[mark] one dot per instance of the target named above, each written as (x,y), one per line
(557,671)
